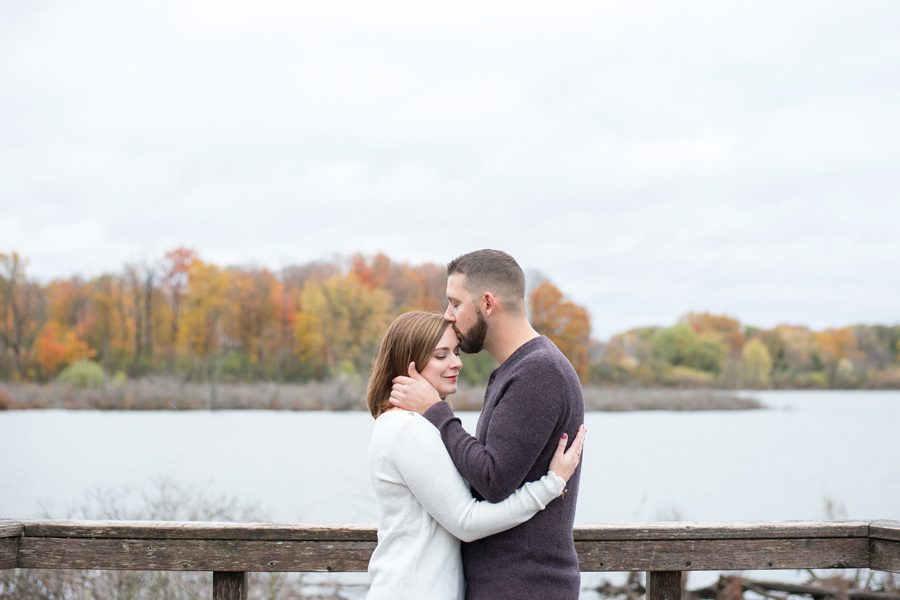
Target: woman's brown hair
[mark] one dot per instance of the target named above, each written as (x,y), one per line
(412,337)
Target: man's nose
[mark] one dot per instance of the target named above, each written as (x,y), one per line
(448,314)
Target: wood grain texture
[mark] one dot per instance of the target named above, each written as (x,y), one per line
(300,531)
(885,530)
(884,555)
(704,555)
(229,586)
(9,553)
(190,530)
(664,585)
(262,547)
(10,529)
(194,555)
(733,530)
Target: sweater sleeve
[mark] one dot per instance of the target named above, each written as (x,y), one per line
(428,472)
(520,429)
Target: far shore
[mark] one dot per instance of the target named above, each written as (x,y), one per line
(160,393)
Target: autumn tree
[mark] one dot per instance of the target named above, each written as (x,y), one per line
(59,346)
(756,363)
(22,315)
(141,281)
(837,351)
(567,324)
(794,361)
(103,332)
(204,306)
(723,328)
(253,329)
(339,324)
(175,268)
(412,287)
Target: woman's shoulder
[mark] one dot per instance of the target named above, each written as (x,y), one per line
(403,432)
(403,422)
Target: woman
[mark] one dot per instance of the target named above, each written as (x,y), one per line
(424,505)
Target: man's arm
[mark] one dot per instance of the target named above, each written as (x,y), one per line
(521,427)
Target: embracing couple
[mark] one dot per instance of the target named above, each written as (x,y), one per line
(516,531)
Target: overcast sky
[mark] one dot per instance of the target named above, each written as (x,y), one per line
(651,158)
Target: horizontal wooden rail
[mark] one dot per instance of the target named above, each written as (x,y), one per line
(232,549)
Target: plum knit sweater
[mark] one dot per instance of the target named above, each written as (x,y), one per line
(531,400)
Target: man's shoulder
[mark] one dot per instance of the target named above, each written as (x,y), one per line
(542,358)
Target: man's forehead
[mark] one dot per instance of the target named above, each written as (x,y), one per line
(456,285)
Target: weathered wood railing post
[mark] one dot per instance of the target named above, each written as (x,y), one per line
(229,585)
(664,585)
(10,533)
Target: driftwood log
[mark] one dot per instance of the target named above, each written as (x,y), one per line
(733,586)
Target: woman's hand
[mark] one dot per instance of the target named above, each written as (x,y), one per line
(565,461)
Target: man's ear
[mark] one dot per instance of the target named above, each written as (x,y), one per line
(490,303)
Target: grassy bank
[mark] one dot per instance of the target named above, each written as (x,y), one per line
(158,393)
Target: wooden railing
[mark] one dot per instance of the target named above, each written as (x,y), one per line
(230,550)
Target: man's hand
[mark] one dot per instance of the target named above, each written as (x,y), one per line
(414,392)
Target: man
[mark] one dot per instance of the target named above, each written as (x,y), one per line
(532,399)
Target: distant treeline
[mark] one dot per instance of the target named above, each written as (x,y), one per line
(706,350)
(198,321)
(182,316)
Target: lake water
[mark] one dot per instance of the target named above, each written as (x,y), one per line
(808,451)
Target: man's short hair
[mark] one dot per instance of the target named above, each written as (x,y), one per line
(492,271)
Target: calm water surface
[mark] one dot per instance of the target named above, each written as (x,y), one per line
(787,462)
(807,451)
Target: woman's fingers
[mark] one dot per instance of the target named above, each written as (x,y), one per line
(578,444)
(561,446)
(565,461)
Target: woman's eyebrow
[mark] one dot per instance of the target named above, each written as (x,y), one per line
(442,348)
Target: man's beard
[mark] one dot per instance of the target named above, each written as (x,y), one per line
(473,341)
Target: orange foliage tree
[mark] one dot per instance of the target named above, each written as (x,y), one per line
(567,324)
(58,346)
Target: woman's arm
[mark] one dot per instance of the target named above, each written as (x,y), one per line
(429,473)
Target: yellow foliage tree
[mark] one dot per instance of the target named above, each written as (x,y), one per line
(340,322)
(204,305)
(756,363)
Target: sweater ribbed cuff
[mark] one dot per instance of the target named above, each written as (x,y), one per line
(551,486)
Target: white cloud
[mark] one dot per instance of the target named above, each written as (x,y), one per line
(650,157)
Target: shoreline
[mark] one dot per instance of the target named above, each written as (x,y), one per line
(334,395)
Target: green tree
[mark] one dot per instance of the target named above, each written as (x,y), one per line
(679,345)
